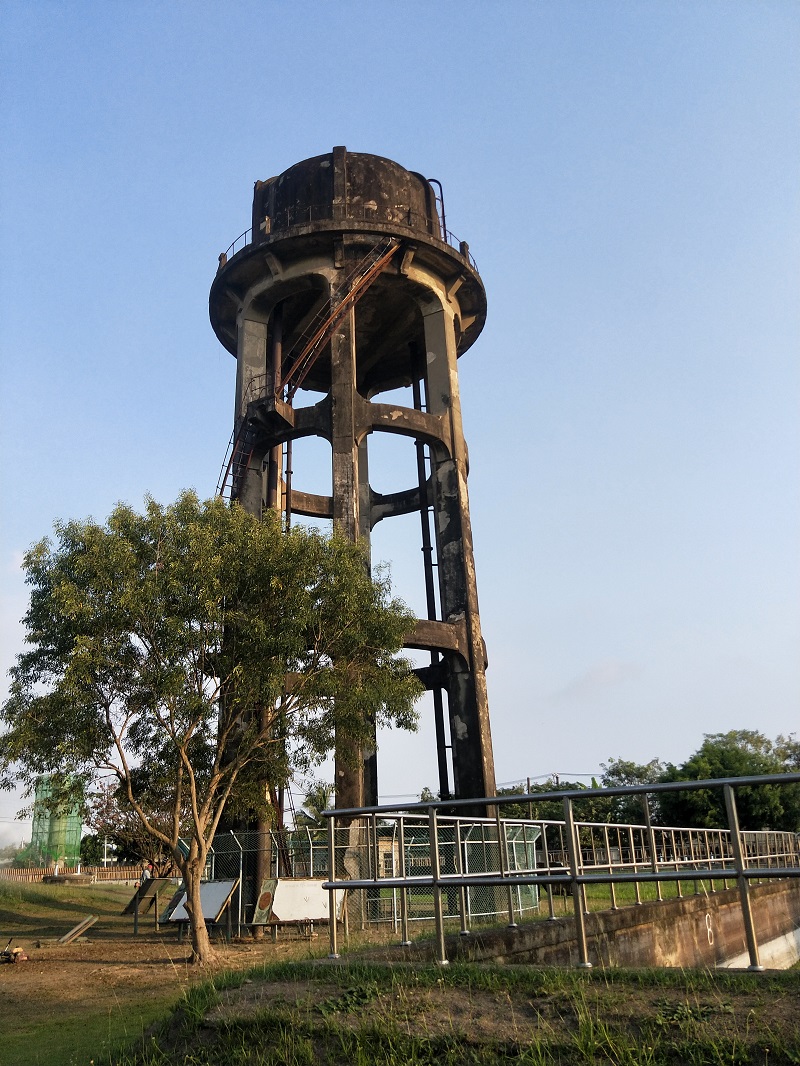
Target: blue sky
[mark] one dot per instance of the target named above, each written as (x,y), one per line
(626,175)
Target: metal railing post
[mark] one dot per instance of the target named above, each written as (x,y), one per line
(578,896)
(744,888)
(465,861)
(546,854)
(651,836)
(693,854)
(503,855)
(611,888)
(394,874)
(433,844)
(678,882)
(376,894)
(405,941)
(462,891)
(334,947)
(632,846)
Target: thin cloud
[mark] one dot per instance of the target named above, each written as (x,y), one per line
(597,679)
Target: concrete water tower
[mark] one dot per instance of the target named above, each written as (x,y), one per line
(349,285)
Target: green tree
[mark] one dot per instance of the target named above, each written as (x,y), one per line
(588,809)
(787,750)
(92,849)
(319,796)
(629,810)
(208,649)
(113,818)
(738,753)
(11,851)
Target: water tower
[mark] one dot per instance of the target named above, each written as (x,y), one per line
(349,286)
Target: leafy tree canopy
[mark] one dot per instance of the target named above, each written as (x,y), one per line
(206,650)
(114,819)
(319,796)
(629,810)
(590,809)
(738,753)
(93,850)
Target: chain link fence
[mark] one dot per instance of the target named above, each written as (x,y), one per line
(400,847)
(392,848)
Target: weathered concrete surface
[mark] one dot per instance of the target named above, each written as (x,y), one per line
(315,226)
(696,931)
(777,954)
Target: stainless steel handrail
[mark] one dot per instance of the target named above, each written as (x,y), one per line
(652,854)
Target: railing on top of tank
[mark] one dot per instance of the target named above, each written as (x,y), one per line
(568,855)
(241,242)
(296,216)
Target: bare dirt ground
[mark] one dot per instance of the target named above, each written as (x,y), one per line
(98,968)
(109,978)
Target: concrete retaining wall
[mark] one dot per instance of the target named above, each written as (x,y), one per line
(696,931)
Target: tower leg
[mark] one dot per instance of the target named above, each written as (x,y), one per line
(473,763)
(356,771)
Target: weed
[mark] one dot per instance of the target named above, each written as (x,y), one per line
(351,999)
(679,1014)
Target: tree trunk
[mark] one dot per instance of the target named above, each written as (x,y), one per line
(202,951)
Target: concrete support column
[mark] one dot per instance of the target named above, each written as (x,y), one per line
(251,363)
(473,762)
(345,447)
(273,494)
(356,772)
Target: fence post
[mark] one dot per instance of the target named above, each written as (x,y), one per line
(577,888)
(334,947)
(611,890)
(651,836)
(744,888)
(462,891)
(503,858)
(241,884)
(433,845)
(405,941)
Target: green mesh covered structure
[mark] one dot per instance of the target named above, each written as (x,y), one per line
(56,834)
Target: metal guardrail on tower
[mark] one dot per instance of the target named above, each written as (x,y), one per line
(358,213)
(456,864)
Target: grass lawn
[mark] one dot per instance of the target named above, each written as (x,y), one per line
(70,1037)
(306,1014)
(70,1004)
(274,1004)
